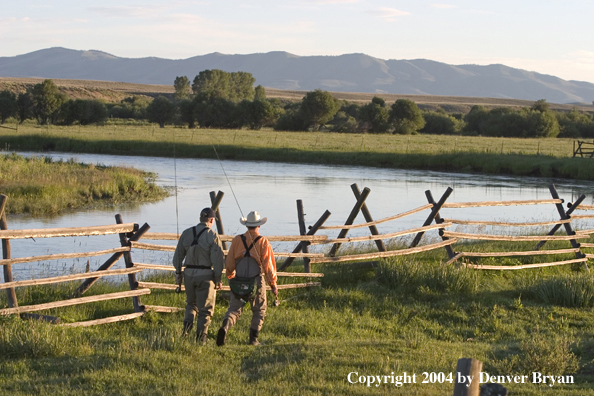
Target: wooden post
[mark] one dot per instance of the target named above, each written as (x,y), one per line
(303,231)
(216,201)
(380,244)
(313,229)
(468,369)
(557,226)
(129,264)
(568,229)
(439,220)
(11,294)
(350,219)
(434,213)
(86,285)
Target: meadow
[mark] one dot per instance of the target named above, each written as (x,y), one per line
(513,156)
(41,187)
(409,314)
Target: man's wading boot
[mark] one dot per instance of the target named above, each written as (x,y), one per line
(187,328)
(222,334)
(254,337)
(201,337)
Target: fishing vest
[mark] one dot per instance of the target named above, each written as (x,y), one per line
(247,271)
(195,243)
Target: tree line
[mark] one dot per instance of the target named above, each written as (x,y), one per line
(218,99)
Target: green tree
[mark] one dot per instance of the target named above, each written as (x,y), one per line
(575,124)
(541,105)
(257,114)
(215,112)
(161,111)
(182,88)
(216,83)
(212,83)
(46,101)
(132,107)
(344,122)
(374,116)
(242,86)
(317,108)
(541,124)
(83,111)
(259,93)
(440,123)
(24,106)
(291,119)
(186,113)
(406,117)
(8,105)
(475,120)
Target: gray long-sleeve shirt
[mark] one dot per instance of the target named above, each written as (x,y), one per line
(207,252)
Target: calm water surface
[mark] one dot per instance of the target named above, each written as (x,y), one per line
(272,189)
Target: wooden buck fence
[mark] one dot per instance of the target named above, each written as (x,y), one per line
(131,236)
(583,148)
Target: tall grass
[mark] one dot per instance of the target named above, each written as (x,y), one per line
(41,186)
(575,291)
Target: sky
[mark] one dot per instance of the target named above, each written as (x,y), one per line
(549,37)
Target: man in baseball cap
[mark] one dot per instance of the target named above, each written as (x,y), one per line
(201,248)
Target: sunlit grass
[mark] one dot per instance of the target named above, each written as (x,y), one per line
(530,157)
(406,314)
(41,186)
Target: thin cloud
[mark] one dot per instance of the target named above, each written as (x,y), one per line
(139,11)
(330,1)
(443,6)
(388,14)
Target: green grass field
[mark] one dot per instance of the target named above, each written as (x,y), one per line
(406,315)
(523,157)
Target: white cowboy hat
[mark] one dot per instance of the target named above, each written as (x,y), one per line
(253,220)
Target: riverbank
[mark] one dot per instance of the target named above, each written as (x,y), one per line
(467,154)
(43,187)
(408,315)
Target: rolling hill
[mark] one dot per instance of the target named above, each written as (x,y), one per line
(285,71)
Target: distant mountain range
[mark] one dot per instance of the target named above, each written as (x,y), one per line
(282,70)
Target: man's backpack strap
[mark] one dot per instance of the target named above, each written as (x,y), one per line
(247,249)
(197,236)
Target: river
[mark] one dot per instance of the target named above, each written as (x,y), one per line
(272,189)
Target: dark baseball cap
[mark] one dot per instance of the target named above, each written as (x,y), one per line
(207,213)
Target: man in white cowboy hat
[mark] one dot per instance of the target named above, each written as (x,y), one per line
(250,256)
(199,249)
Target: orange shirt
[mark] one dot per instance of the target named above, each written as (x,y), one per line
(261,252)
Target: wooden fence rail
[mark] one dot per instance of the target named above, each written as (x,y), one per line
(506,224)
(74,301)
(391,253)
(49,257)
(68,231)
(521,238)
(501,203)
(371,223)
(67,278)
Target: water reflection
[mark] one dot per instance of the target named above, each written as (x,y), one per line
(272,189)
